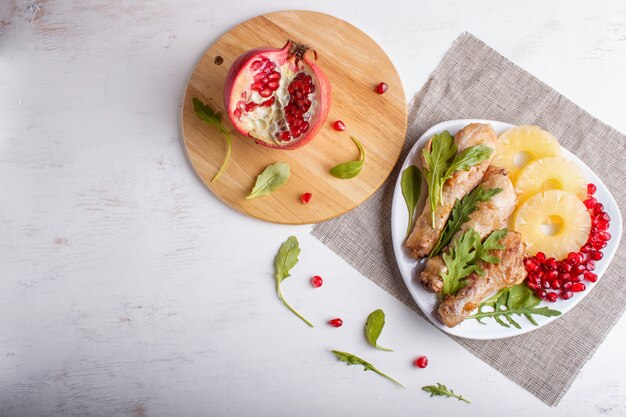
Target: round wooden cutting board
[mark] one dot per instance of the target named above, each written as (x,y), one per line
(354,64)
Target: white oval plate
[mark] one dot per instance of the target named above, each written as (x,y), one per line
(410,268)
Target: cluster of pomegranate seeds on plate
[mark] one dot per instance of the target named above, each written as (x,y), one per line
(551,278)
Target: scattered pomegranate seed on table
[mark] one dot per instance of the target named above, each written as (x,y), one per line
(421,362)
(339,126)
(317,281)
(306,198)
(566,275)
(336,322)
(382,88)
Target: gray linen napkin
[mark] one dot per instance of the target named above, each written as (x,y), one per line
(474,81)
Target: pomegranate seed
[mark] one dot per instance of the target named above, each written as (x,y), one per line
(265,93)
(551,297)
(256,86)
(575,278)
(551,262)
(591,189)
(602,225)
(296,123)
(270,66)
(306,198)
(552,274)
(284,136)
(256,65)
(566,268)
(295,132)
(336,322)
(251,106)
(546,285)
(304,126)
(566,295)
(605,217)
(237,113)
(598,208)
(272,85)
(273,76)
(339,126)
(268,103)
(596,256)
(316,281)
(259,76)
(540,256)
(308,89)
(590,276)
(421,362)
(531,264)
(572,257)
(540,294)
(555,285)
(381,88)
(566,277)
(606,236)
(533,285)
(590,203)
(586,248)
(578,287)
(591,265)
(567,286)
(578,269)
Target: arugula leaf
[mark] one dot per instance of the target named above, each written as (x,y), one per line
(516,300)
(208,115)
(463,258)
(270,179)
(287,258)
(411,184)
(441,390)
(351,359)
(467,158)
(460,214)
(442,149)
(373,327)
(459,262)
(350,169)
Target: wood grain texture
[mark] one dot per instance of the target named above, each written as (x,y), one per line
(354,63)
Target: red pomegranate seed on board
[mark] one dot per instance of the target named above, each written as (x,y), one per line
(306,198)
(339,126)
(336,322)
(381,88)
(421,362)
(317,281)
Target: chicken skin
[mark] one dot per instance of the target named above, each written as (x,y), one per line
(490,215)
(424,236)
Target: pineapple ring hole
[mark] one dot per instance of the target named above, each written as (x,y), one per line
(522,158)
(552,225)
(551,184)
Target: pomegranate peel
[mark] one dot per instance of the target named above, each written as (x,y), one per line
(278,97)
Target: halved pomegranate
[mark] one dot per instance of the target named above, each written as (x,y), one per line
(278,97)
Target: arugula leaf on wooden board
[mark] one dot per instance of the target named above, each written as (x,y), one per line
(441,390)
(270,180)
(411,184)
(460,214)
(516,300)
(351,359)
(208,115)
(287,258)
(462,260)
(373,327)
(350,169)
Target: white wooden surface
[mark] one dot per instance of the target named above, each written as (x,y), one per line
(129,290)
